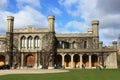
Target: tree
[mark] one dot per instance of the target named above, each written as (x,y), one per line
(14,56)
(48,49)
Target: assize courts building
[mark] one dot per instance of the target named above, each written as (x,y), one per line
(27,47)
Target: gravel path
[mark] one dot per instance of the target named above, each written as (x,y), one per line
(41,71)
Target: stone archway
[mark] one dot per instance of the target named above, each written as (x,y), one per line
(30,60)
(85,59)
(58,60)
(94,60)
(67,60)
(2,60)
(76,59)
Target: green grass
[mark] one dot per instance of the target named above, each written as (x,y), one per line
(74,74)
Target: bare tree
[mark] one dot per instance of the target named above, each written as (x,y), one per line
(14,57)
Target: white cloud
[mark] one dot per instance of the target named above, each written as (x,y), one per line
(55,11)
(30,16)
(26,16)
(72,6)
(73,27)
(3,4)
(22,3)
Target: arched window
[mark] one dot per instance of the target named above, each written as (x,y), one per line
(74,45)
(23,42)
(65,45)
(36,42)
(30,43)
(85,44)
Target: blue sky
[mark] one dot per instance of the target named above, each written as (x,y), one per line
(72,16)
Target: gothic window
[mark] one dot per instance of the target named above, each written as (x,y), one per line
(23,42)
(74,45)
(65,45)
(30,43)
(60,44)
(85,44)
(36,42)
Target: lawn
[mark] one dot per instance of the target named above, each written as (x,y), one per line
(74,74)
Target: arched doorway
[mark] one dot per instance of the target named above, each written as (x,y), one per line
(58,60)
(94,60)
(30,60)
(76,59)
(85,59)
(2,60)
(67,60)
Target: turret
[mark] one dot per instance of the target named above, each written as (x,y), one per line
(90,31)
(95,25)
(10,23)
(114,45)
(100,44)
(51,23)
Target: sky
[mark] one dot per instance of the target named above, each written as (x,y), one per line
(71,16)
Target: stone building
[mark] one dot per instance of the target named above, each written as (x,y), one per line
(30,47)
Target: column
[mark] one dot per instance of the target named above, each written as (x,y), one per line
(35,66)
(63,55)
(81,60)
(72,60)
(22,56)
(98,59)
(90,61)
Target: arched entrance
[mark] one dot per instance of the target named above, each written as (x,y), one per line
(58,60)
(94,60)
(76,60)
(2,60)
(85,59)
(67,60)
(30,60)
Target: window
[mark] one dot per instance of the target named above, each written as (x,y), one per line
(37,42)
(74,45)
(85,44)
(30,42)
(23,42)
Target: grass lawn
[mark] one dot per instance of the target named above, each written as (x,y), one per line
(74,74)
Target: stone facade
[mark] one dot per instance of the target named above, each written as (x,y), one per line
(32,48)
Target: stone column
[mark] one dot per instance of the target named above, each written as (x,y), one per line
(98,59)
(22,58)
(35,66)
(81,61)
(63,56)
(90,61)
(72,60)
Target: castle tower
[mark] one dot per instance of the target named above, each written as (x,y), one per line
(95,25)
(10,23)
(119,40)
(51,23)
